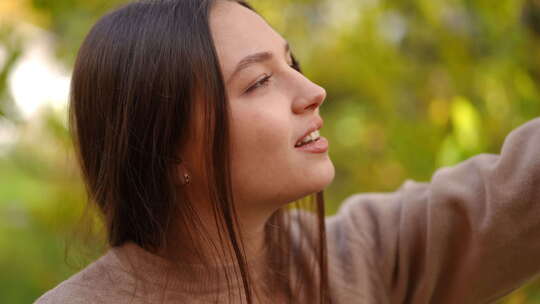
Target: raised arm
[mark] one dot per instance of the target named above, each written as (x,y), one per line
(471,235)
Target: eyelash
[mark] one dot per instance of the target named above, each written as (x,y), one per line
(263,82)
(260,83)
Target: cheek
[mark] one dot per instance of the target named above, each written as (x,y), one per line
(260,152)
(258,137)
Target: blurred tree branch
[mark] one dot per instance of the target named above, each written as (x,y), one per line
(11,45)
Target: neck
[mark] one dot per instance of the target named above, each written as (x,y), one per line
(203,233)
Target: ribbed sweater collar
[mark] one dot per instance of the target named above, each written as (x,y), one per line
(155,273)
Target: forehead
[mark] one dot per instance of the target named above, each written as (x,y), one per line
(238,32)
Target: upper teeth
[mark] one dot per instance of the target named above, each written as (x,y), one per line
(310,137)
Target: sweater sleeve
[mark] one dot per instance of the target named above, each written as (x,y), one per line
(471,235)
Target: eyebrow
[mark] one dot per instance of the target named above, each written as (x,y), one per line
(255,58)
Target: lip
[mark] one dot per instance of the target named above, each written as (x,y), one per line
(318,146)
(315,124)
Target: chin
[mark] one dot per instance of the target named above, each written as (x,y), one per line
(325,176)
(319,177)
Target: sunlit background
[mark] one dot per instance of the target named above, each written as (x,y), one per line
(412,86)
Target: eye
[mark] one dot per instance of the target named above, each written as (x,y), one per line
(261,83)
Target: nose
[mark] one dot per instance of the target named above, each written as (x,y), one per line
(310,96)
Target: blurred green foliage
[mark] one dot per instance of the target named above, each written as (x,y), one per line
(13,50)
(412,86)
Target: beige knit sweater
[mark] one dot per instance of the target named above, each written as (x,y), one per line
(471,235)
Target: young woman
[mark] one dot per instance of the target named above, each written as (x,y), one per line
(195,129)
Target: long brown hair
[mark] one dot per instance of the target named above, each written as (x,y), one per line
(134,86)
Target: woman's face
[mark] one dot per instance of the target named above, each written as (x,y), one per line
(272,106)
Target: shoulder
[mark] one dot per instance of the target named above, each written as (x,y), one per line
(97,283)
(67,292)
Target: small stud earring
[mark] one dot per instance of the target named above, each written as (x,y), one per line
(187,178)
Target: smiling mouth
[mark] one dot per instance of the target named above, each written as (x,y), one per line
(311,137)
